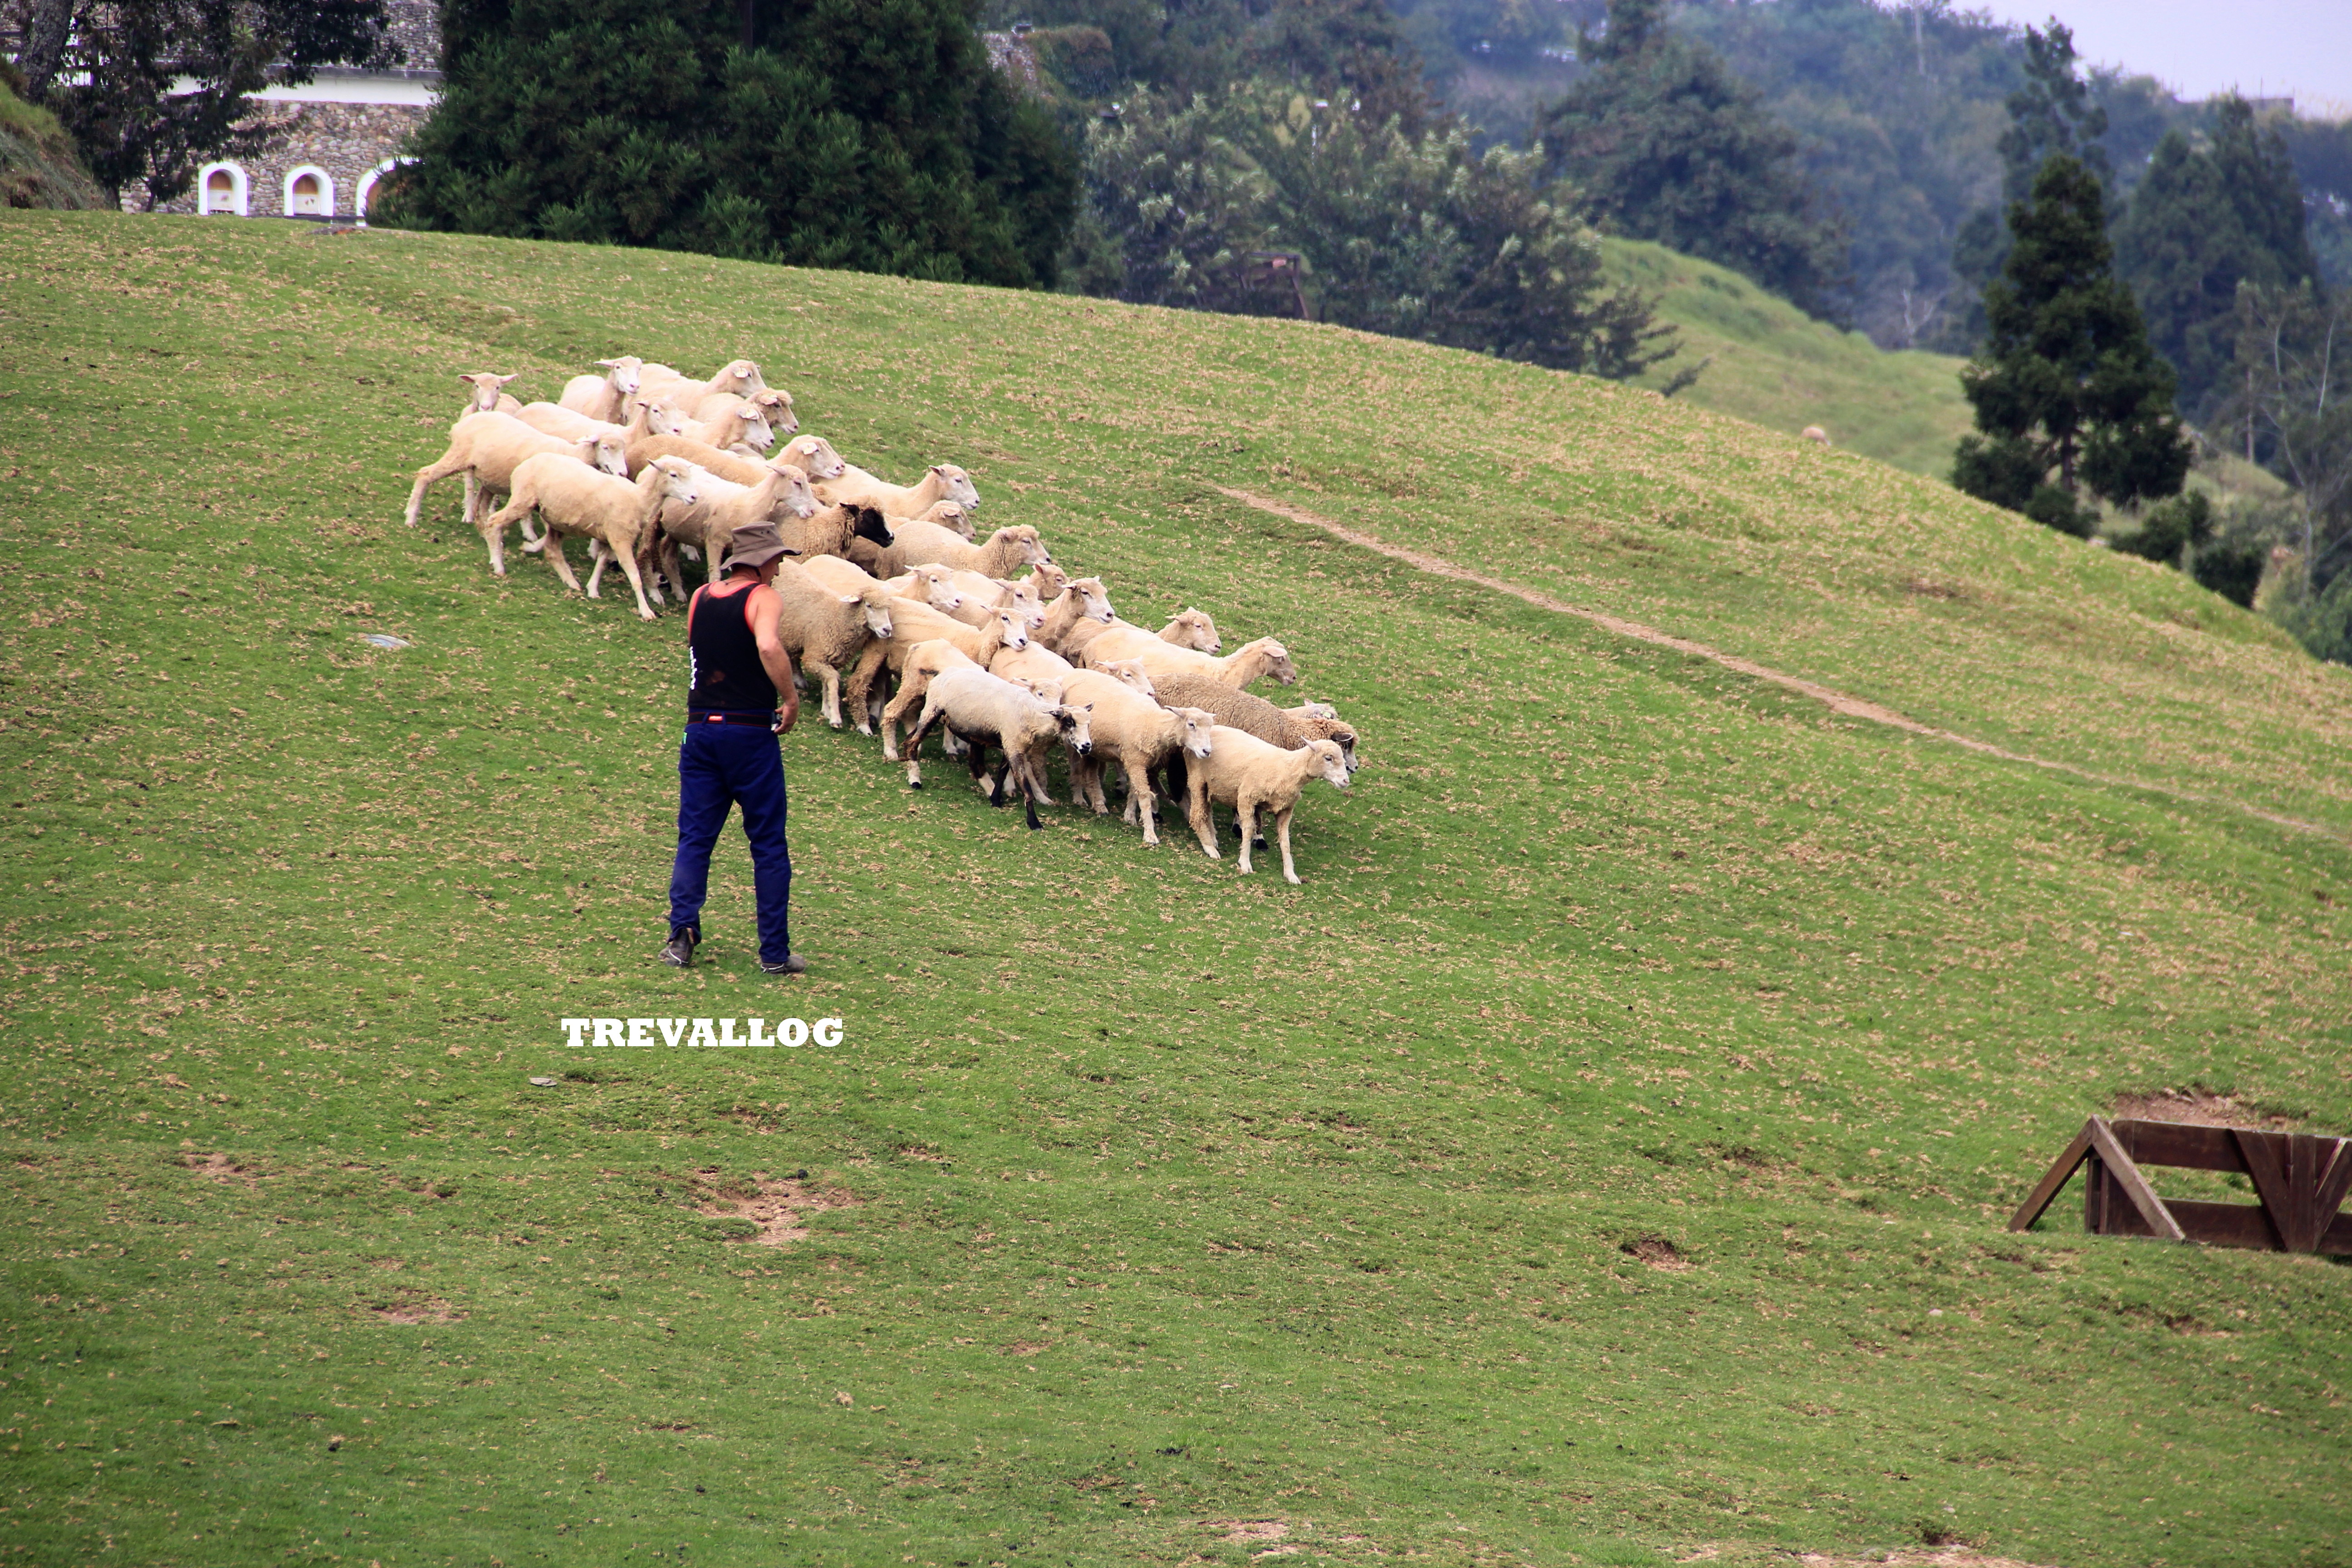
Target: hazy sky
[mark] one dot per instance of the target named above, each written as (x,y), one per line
(2205,47)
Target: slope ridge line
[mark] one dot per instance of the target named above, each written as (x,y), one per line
(1829,696)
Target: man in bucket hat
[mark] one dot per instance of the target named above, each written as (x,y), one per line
(741,695)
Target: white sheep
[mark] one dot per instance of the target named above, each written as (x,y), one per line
(740,378)
(1131,730)
(940,481)
(744,430)
(483,394)
(925,543)
(984,711)
(720,508)
(824,630)
(774,404)
(608,395)
(1186,628)
(923,661)
(1245,665)
(487,448)
(646,418)
(572,498)
(1251,777)
(933,586)
(1287,728)
(920,622)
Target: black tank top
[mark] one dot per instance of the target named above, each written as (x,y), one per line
(728,676)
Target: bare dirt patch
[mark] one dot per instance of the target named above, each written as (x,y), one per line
(2194,1106)
(1247,1530)
(418,1307)
(777,1205)
(1025,1347)
(1950,1557)
(222,1168)
(1657,1252)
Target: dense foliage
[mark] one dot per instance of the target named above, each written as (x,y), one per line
(2068,393)
(1668,143)
(2205,219)
(40,166)
(1408,233)
(113,74)
(866,135)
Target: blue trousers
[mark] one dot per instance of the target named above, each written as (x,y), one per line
(719,766)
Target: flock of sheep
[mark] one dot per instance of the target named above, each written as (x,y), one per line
(887,588)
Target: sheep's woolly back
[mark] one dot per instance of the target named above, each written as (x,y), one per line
(1235,708)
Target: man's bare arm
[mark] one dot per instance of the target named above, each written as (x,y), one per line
(763,612)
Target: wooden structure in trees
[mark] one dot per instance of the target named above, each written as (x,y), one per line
(2300,1177)
(1277,273)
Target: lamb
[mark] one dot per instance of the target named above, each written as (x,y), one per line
(605,396)
(487,448)
(1245,772)
(1247,710)
(947,514)
(824,629)
(921,543)
(981,595)
(1135,732)
(1080,599)
(745,430)
(1187,628)
(924,660)
(740,378)
(574,498)
(919,623)
(983,711)
(815,455)
(1240,668)
(940,481)
(934,585)
(774,405)
(483,397)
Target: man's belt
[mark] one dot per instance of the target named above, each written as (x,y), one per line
(764,720)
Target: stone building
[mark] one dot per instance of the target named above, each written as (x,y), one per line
(339,135)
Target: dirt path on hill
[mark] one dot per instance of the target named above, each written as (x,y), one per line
(1829,697)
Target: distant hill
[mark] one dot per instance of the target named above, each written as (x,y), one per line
(1774,365)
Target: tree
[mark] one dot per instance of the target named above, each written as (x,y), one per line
(868,135)
(2294,356)
(2067,384)
(1177,201)
(1666,144)
(2050,114)
(112,69)
(2201,222)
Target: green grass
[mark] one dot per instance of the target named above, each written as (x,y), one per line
(1177,1200)
(1769,363)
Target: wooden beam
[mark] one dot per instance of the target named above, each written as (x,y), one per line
(2334,1182)
(2046,1191)
(2135,1186)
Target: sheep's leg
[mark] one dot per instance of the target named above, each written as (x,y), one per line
(1144,803)
(598,559)
(676,576)
(1282,832)
(1029,803)
(557,559)
(1032,765)
(915,746)
(1202,813)
(433,474)
(494,531)
(628,559)
(911,690)
(861,682)
(831,676)
(1246,821)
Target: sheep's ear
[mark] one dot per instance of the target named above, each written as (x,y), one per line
(610,364)
(504,379)
(845,598)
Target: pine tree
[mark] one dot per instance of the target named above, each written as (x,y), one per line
(1668,143)
(868,135)
(2068,393)
(2201,223)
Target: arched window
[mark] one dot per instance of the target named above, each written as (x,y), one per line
(367,184)
(310,192)
(221,188)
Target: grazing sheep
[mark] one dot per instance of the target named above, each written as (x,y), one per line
(1240,668)
(940,481)
(984,711)
(574,498)
(922,544)
(740,378)
(824,629)
(1187,628)
(483,397)
(1251,777)
(1248,711)
(1135,732)
(487,448)
(920,622)
(605,396)
(1816,435)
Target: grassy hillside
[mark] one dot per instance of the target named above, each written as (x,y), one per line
(1774,365)
(38,167)
(1600,1159)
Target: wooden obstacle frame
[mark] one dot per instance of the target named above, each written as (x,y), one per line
(2300,1177)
